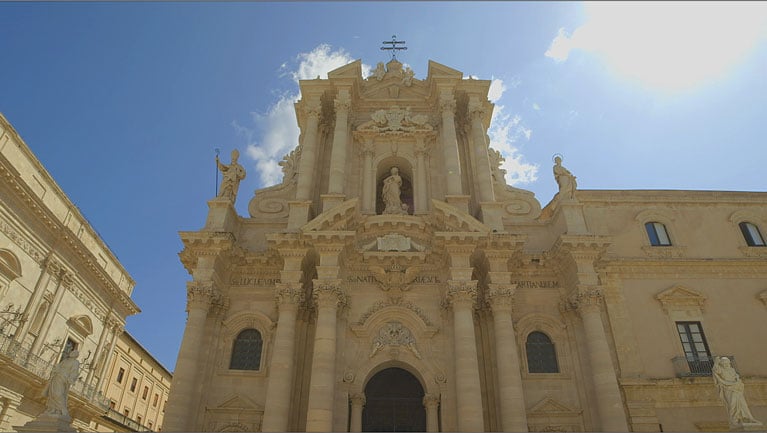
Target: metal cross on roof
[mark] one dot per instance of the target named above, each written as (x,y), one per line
(393,48)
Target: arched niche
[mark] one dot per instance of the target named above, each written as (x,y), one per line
(383,171)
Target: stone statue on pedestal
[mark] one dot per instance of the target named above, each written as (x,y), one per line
(56,416)
(731,389)
(233,174)
(392,188)
(565,179)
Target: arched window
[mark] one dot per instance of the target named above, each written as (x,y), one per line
(246,353)
(751,233)
(541,356)
(657,233)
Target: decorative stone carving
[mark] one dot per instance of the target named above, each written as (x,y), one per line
(393,242)
(379,72)
(396,119)
(63,376)
(289,165)
(407,77)
(396,277)
(396,301)
(586,299)
(349,377)
(328,293)
(461,293)
(565,179)
(233,174)
(397,335)
(199,294)
(287,294)
(430,400)
(500,296)
(358,399)
(730,388)
(390,193)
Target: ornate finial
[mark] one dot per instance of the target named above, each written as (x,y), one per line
(393,48)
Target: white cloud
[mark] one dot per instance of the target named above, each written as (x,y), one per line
(536,107)
(668,45)
(496,90)
(275,133)
(505,132)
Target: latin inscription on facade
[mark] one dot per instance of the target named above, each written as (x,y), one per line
(421,279)
(254,281)
(552,284)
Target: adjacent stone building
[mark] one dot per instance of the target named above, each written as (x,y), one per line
(394,282)
(61,289)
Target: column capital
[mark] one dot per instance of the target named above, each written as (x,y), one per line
(328,293)
(461,293)
(367,147)
(199,295)
(431,400)
(501,296)
(586,299)
(358,399)
(312,109)
(342,103)
(288,294)
(421,147)
(476,110)
(447,104)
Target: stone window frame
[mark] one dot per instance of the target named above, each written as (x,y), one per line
(746,216)
(240,339)
(550,343)
(10,269)
(682,304)
(665,217)
(231,328)
(556,331)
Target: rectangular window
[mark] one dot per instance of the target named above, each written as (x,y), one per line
(144,394)
(695,348)
(133,384)
(120,375)
(752,235)
(657,234)
(154,402)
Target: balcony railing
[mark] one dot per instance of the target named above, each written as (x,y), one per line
(697,366)
(126,421)
(22,356)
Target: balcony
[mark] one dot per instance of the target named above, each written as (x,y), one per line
(22,356)
(125,421)
(697,366)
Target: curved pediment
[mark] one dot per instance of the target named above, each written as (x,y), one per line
(337,218)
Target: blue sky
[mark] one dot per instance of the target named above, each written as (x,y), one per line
(124,103)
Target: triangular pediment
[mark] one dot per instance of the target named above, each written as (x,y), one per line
(351,70)
(440,70)
(239,402)
(448,218)
(680,296)
(548,406)
(337,218)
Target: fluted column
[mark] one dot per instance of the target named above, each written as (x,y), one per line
(368,186)
(328,296)
(183,393)
(277,407)
(306,180)
(461,296)
(49,269)
(483,173)
(431,403)
(64,281)
(338,153)
(511,393)
(421,202)
(612,416)
(116,329)
(99,348)
(355,420)
(450,144)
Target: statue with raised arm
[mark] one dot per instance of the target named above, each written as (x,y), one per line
(63,375)
(564,178)
(731,389)
(390,193)
(233,174)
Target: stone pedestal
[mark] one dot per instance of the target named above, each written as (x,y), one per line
(460,202)
(47,423)
(300,212)
(221,215)
(749,426)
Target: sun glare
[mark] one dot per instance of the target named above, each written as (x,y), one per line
(668,45)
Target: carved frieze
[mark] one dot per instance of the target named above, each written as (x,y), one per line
(400,302)
(394,334)
(396,277)
(396,120)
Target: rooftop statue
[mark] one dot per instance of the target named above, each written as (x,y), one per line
(564,178)
(233,174)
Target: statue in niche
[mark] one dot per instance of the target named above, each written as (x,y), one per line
(564,178)
(64,374)
(731,389)
(392,188)
(233,174)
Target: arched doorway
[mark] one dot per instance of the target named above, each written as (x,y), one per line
(394,402)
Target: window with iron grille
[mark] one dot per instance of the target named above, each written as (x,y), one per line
(246,353)
(541,354)
(751,233)
(695,347)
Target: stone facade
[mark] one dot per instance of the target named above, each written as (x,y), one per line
(500,314)
(61,289)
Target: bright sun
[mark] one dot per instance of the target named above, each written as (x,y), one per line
(668,45)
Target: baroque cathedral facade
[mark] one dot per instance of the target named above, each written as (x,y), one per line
(394,282)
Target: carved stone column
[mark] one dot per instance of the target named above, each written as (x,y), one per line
(184,393)
(99,348)
(277,407)
(329,296)
(355,420)
(461,296)
(588,302)
(64,281)
(116,329)
(512,402)
(421,201)
(450,144)
(312,110)
(368,185)
(431,403)
(483,173)
(49,269)
(338,153)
